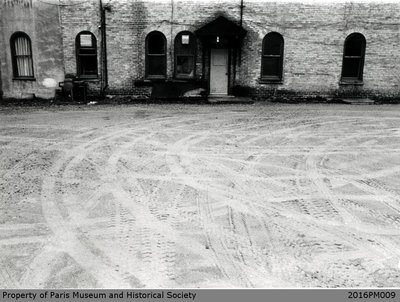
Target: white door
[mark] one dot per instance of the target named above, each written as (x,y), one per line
(219,72)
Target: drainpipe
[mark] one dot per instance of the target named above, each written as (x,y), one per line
(61,35)
(104,76)
(1,87)
(241,25)
(171,37)
(241,12)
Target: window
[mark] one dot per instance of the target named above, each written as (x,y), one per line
(353,58)
(21,52)
(86,55)
(156,59)
(272,57)
(185,55)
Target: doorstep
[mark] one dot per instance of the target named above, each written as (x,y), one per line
(359,101)
(229,100)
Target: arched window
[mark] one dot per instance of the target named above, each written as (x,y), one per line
(272,57)
(86,55)
(353,58)
(21,52)
(185,55)
(156,55)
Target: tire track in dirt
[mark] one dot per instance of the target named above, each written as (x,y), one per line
(253,201)
(350,219)
(85,256)
(160,252)
(291,129)
(221,201)
(315,178)
(372,186)
(157,244)
(241,236)
(66,235)
(318,176)
(148,242)
(37,267)
(321,183)
(7,280)
(111,168)
(366,184)
(232,268)
(276,245)
(36,272)
(225,176)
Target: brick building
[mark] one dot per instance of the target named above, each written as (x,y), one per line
(258,47)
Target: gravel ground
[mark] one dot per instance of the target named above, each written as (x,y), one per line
(200,196)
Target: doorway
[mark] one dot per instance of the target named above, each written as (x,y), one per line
(219,72)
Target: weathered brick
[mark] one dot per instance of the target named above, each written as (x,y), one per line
(313,32)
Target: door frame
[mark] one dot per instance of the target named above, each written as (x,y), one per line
(229,51)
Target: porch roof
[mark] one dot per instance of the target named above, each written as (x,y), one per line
(223,27)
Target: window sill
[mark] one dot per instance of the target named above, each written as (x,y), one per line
(24,79)
(86,78)
(143,83)
(351,83)
(183,79)
(156,77)
(270,81)
(156,80)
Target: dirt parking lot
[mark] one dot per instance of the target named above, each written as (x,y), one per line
(200,196)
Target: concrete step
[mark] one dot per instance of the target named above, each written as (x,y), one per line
(359,101)
(230,100)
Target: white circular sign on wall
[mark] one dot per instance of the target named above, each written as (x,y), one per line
(49,83)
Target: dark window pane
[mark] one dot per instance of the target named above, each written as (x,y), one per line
(88,65)
(271,66)
(185,65)
(156,65)
(354,46)
(86,54)
(184,49)
(87,51)
(189,45)
(351,68)
(156,44)
(272,44)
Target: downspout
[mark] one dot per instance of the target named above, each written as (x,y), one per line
(1,87)
(241,13)
(241,25)
(238,52)
(104,76)
(61,34)
(172,38)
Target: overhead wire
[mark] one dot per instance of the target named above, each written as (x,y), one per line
(60,4)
